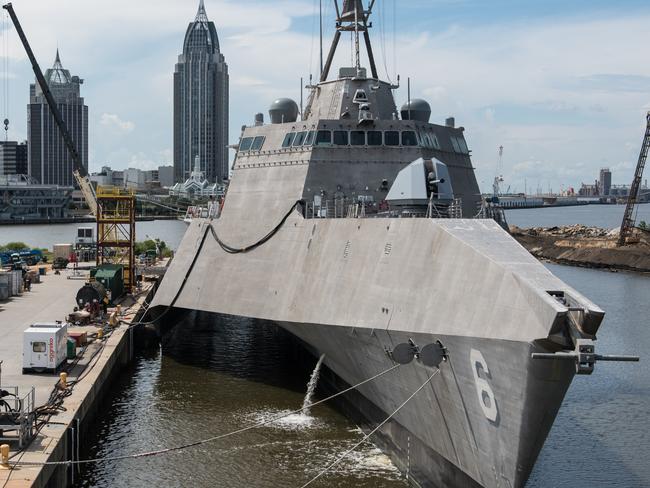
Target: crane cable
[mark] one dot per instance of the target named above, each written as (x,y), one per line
(210,439)
(369,434)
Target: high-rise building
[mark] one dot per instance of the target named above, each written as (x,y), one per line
(13,158)
(201,103)
(49,160)
(605,181)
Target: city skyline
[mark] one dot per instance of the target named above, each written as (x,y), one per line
(557,84)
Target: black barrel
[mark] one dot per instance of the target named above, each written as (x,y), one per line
(93,290)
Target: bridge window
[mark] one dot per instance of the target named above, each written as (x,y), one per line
(435,141)
(258,142)
(358,138)
(309,140)
(341,138)
(300,138)
(391,138)
(324,138)
(454,143)
(374,138)
(288,139)
(245,143)
(463,145)
(409,138)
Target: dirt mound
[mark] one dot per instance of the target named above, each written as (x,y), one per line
(581,245)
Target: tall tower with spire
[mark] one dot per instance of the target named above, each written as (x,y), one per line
(201,103)
(48,158)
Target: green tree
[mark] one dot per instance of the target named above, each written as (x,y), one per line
(13,246)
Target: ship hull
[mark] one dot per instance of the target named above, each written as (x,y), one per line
(443,437)
(353,289)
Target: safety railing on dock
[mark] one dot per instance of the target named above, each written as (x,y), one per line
(16,415)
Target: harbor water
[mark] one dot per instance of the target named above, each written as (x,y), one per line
(222,374)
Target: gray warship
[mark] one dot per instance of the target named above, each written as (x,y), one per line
(360,230)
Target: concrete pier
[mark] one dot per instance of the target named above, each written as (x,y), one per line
(53,299)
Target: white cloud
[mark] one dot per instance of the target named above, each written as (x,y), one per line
(113,120)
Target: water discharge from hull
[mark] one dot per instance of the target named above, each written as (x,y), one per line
(311,386)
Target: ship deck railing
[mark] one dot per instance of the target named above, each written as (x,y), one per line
(344,209)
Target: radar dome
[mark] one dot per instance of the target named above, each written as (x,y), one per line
(283,110)
(419,109)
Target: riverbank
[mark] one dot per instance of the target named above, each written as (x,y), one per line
(79,220)
(589,247)
(63,414)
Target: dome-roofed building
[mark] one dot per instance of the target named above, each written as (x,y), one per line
(201,102)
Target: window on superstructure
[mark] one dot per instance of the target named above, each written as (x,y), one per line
(288,139)
(341,138)
(300,138)
(309,140)
(391,138)
(463,145)
(435,141)
(358,138)
(258,142)
(374,138)
(245,143)
(454,143)
(324,138)
(409,138)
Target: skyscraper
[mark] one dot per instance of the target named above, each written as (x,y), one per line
(605,183)
(13,158)
(201,103)
(49,160)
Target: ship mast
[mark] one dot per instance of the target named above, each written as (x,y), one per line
(352,18)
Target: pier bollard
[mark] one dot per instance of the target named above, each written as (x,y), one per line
(100,333)
(63,380)
(4,456)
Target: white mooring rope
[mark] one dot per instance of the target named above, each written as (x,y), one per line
(365,438)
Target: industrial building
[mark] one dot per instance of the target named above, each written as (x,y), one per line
(135,178)
(49,160)
(201,103)
(22,198)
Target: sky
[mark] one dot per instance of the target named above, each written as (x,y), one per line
(563,86)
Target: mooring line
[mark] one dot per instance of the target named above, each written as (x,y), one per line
(204,441)
(367,436)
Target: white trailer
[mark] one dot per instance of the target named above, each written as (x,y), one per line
(45,347)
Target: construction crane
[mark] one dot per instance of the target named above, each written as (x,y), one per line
(80,173)
(628,218)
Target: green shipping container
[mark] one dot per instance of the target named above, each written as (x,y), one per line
(111,276)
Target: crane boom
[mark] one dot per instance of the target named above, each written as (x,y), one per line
(79,172)
(628,219)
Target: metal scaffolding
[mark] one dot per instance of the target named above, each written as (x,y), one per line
(116,230)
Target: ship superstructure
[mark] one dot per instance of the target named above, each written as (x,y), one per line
(351,226)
